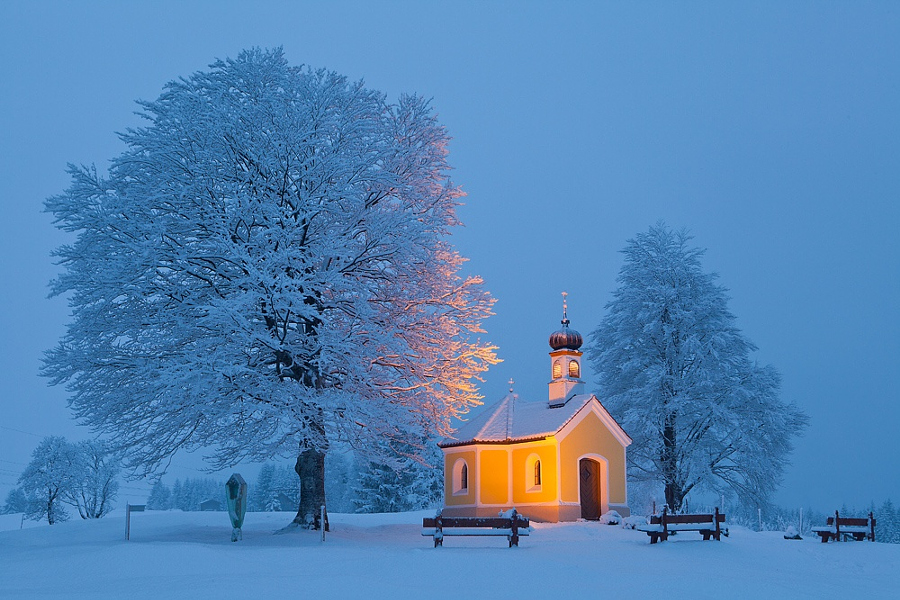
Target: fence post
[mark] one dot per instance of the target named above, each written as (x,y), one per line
(871,527)
(322,521)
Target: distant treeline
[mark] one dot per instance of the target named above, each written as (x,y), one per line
(186,495)
(352,484)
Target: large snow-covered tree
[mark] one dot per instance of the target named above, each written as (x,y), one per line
(96,485)
(49,478)
(264,270)
(677,373)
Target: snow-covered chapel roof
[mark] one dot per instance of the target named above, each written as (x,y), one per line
(515,420)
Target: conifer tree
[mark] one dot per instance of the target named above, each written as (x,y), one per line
(160,497)
(677,373)
(400,482)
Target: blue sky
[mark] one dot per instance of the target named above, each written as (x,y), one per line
(770,130)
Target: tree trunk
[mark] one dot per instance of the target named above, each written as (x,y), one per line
(310,468)
(674,492)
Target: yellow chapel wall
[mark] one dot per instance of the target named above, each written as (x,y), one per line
(493,476)
(546,453)
(591,436)
(450,458)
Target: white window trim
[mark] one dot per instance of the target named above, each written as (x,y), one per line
(458,490)
(530,486)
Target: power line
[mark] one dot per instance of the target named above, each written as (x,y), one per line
(19,431)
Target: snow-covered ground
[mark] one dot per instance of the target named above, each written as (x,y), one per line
(188,555)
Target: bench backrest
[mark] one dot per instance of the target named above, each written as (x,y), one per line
(493,522)
(687,519)
(849,522)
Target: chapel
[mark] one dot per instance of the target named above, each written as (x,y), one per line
(557,459)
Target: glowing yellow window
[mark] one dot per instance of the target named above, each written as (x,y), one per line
(460,477)
(574,370)
(557,369)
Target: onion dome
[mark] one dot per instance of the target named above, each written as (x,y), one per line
(565,337)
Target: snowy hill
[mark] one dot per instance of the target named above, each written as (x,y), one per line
(189,555)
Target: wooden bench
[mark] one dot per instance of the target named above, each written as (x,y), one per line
(841,528)
(509,524)
(664,524)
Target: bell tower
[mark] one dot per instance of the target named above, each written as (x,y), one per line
(565,362)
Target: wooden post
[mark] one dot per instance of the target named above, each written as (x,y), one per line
(514,528)
(871,527)
(129,508)
(718,529)
(837,526)
(438,530)
(322,520)
(664,534)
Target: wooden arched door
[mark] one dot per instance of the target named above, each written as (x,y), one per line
(589,475)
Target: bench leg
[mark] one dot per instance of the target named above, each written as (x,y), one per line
(438,542)
(654,537)
(705,535)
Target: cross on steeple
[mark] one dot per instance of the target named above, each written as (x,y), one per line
(565,319)
(511,382)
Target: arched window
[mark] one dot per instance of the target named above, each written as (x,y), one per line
(460,477)
(574,369)
(533,475)
(557,369)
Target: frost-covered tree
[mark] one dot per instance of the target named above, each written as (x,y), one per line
(160,497)
(49,478)
(16,502)
(265,270)
(177,495)
(340,477)
(276,489)
(395,480)
(95,485)
(676,372)
(887,523)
